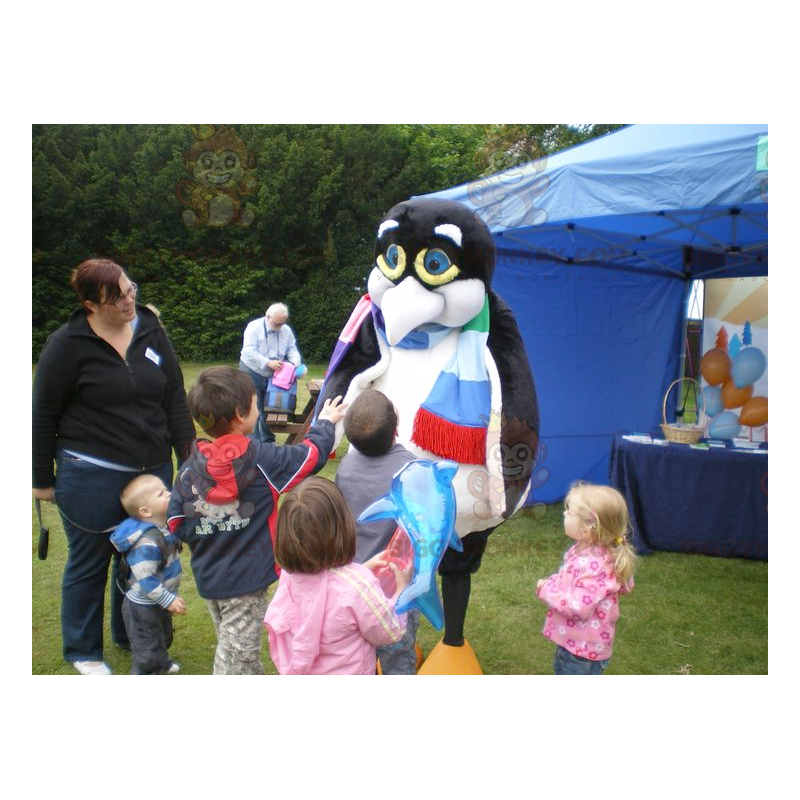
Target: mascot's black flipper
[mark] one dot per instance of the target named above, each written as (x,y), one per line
(519,422)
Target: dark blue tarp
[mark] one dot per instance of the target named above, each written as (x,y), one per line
(688,501)
(596,251)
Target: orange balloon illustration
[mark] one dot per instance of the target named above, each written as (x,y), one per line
(733,397)
(754,411)
(715,366)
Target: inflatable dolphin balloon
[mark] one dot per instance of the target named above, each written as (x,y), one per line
(423,502)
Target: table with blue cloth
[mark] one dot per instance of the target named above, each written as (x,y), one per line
(693,501)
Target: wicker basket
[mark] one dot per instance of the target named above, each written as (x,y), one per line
(684,434)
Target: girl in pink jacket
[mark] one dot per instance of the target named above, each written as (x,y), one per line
(582,598)
(329,613)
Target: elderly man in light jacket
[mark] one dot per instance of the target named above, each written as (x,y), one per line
(267,342)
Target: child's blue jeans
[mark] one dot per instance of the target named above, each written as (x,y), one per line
(564,663)
(400,658)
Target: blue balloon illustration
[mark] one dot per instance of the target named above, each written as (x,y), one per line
(724,426)
(712,400)
(748,366)
(423,502)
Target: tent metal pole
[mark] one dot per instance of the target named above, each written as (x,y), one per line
(695,230)
(687,261)
(631,252)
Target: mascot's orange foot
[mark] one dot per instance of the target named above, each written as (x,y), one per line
(447,660)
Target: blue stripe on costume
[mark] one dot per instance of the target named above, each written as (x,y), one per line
(450,392)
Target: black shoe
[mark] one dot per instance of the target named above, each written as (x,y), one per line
(123,645)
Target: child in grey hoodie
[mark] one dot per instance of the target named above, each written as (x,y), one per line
(364,475)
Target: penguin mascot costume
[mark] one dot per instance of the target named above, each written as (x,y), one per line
(446,350)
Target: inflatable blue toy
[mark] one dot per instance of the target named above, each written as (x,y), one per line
(423,502)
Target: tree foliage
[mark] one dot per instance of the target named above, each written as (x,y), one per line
(507,146)
(321,189)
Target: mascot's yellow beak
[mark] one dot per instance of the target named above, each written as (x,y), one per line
(407,306)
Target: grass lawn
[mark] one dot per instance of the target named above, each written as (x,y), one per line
(689,614)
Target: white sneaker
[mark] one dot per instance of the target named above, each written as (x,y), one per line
(92,667)
(174,668)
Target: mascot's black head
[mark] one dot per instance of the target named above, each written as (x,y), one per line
(436,241)
(434,261)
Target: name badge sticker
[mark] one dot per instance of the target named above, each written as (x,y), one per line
(153,356)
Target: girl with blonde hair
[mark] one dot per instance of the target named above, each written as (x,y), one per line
(582,598)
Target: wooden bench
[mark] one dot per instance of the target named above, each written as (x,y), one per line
(296,425)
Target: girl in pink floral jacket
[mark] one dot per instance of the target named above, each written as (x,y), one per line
(582,598)
(329,613)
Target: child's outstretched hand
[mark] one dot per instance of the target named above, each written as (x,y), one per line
(333,410)
(376,562)
(177,606)
(402,577)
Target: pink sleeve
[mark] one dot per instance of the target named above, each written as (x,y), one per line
(374,613)
(578,595)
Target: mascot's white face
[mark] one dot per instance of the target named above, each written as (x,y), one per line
(407,305)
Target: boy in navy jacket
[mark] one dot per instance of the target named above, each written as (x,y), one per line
(224,505)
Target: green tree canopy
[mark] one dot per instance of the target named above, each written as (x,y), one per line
(320,190)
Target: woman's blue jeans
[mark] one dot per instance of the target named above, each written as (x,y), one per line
(88,498)
(565,663)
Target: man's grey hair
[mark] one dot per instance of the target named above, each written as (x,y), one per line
(277,308)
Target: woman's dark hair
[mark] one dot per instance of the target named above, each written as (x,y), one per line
(316,530)
(218,396)
(370,423)
(97,279)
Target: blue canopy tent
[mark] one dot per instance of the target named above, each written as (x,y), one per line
(597,247)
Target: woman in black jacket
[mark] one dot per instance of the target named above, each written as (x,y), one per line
(108,404)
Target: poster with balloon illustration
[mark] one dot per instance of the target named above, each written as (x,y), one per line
(734,364)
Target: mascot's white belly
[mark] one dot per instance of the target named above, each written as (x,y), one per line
(407,383)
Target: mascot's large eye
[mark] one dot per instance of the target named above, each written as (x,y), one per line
(230,162)
(436,262)
(434,267)
(392,262)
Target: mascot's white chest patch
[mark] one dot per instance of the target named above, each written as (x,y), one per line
(410,378)
(407,382)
